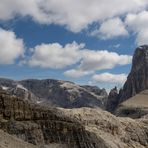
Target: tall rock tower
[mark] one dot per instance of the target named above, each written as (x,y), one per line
(138,77)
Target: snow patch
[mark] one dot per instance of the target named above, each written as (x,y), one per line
(38,102)
(21,87)
(5,88)
(141,47)
(71,87)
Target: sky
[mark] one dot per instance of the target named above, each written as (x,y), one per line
(89,42)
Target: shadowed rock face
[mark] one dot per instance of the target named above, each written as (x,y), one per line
(137,80)
(112,100)
(96,90)
(138,77)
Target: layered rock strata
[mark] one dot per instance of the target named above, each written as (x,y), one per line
(42,126)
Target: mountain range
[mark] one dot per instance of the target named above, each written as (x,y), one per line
(56,93)
(55,113)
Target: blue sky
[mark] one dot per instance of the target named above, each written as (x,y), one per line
(70,44)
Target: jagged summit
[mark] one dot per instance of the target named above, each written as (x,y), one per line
(140,57)
(112,100)
(137,80)
(132,100)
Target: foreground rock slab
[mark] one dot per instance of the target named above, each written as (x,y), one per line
(69,128)
(112,132)
(9,141)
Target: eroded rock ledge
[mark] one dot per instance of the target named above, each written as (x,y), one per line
(42,126)
(71,128)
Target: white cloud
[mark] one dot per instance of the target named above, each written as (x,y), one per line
(11,47)
(11,8)
(111,28)
(76,73)
(74,14)
(110,78)
(87,61)
(55,56)
(137,23)
(102,59)
(92,61)
(142,37)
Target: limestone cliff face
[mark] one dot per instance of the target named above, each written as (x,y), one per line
(138,77)
(42,126)
(137,81)
(112,132)
(69,128)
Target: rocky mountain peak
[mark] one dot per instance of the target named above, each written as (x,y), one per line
(140,58)
(112,99)
(138,77)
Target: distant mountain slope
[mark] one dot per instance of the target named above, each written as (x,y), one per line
(139,100)
(135,106)
(56,93)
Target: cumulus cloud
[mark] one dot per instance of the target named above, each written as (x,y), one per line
(137,23)
(12,8)
(102,59)
(110,78)
(55,56)
(111,28)
(92,61)
(87,61)
(11,47)
(76,73)
(74,14)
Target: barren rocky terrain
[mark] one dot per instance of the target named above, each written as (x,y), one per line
(72,128)
(27,122)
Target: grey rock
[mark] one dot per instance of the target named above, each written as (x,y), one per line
(41,125)
(137,80)
(112,100)
(56,93)
(71,128)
